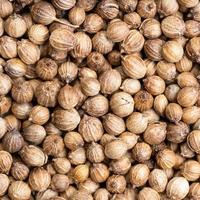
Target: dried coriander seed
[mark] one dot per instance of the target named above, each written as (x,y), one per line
(99,99)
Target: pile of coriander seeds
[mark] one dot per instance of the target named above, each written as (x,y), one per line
(99,100)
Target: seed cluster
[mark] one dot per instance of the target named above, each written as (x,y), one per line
(99,100)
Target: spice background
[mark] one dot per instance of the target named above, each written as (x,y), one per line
(99,100)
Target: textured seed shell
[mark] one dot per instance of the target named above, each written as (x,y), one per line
(146,8)
(191,170)
(33,156)
(134,121)
(113,124)
(133,43)
(61,165)
(166,159)
(68,71)
(193,141)
(148,193)
(81,173)
(22,92)
(172,51)
(187,96)
(43,13)
(5,161)
(81,195)
(188,4)
(73,140)
(167,7)
(46,69)
(174,112)
(8,46)
(15,26)
(166,71)
(193,50)
(108,9)
(153,49)
(93,23)
(66,120)
(150,28)
(38,34)
(177,188)
(139,174)
(101,43)
(39,115)
(64,5)
(133,66)
(34,134)
(120,166)
(19,171)
(83,45)
(15,68)
(115,149)
(90,128)
(155,133)
(13,141)
(116,184)
(4,184)
(117,30)
(96,106)
(5,84)
(194,191)
(158,180)
(172,27)
(39,179)
(19,190)
(99,172)
(76,15)
(90,86)
(160,103)
(143,100)
(46,93)
(107,79)
(67,97)
(53,145)
(28,51)
(62,39)
(6,8)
